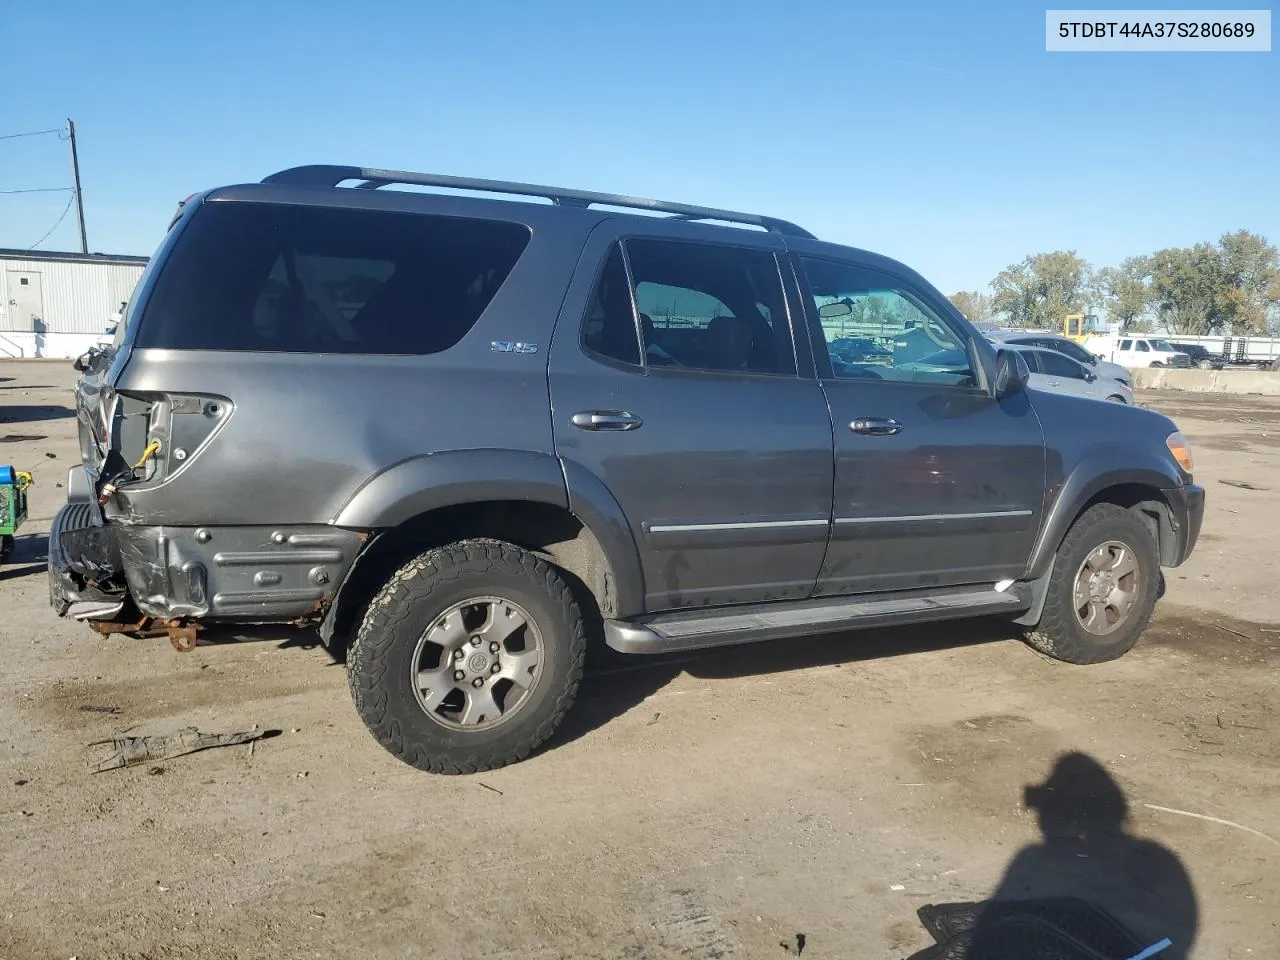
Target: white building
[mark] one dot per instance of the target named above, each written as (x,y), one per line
(59,304)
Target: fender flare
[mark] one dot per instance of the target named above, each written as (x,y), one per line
(1092,474)
(593,503)
(433,480)
(428,482)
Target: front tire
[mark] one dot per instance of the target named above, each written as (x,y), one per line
(1116,398)
(1106,578)
(1157,363)
(468,657)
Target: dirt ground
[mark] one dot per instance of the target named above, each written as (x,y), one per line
(711,807)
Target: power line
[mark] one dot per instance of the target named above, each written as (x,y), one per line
(57,223)
(33,133)
(39,190)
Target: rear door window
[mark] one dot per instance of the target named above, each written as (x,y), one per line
(1056,365)
(710,308)
(302,279)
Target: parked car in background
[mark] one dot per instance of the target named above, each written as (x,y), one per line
(853,350)
(1200,356)
(1065,345)
(1050,370)
(1138,352)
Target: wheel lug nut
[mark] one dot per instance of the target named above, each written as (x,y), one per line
(457,654)
(478,682)
(493,647)
(495,668)
(475,641)
(459,675)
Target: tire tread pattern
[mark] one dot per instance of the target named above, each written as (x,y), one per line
(367,668)
(1059,634)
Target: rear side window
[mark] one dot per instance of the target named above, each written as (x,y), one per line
(710,308)
(1055,364)
(298,279)
(609,328)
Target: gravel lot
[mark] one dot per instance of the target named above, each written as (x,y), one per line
(714,806)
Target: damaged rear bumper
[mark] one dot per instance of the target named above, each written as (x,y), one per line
(105,570)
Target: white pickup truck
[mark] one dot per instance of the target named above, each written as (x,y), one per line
(1132,351)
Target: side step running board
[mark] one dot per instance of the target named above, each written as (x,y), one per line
(724,626)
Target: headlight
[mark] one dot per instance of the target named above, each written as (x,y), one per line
(1180,449)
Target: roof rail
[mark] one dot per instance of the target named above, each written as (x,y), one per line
(328,175)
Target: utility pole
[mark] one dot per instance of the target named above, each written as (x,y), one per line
(75,173)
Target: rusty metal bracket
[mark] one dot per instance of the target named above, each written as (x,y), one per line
(183,636)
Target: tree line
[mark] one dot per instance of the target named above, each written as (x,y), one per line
(1231,286)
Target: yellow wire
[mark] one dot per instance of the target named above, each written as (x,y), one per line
(147,454)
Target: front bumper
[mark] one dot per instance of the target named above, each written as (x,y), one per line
(247,574)
(1186,508)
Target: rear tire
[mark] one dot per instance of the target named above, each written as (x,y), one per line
(1156,363)
(467,658)
(1117,398)
(1107,561)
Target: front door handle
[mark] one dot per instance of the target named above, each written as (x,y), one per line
(875,426)
(606,420)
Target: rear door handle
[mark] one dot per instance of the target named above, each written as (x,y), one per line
(606,420)
(875,426)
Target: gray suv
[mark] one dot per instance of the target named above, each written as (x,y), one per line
(464,436)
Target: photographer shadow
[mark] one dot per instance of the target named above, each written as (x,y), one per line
(1088,888)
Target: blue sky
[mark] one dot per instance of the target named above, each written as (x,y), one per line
(938,133)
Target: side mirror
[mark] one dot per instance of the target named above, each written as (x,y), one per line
(1011,375)
(1090,376)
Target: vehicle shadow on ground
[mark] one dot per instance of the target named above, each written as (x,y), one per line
(615,684)
(30,555)
(24,413)
(1087,882)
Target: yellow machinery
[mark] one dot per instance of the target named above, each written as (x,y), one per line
(1080,327)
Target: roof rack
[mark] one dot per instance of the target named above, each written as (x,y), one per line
(328,175)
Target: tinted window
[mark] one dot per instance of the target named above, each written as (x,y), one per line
(1070,348)
(1126,344)
(270,277)
(609,328)
(705,307)
(1056,365)
(1142,347)
(912,341)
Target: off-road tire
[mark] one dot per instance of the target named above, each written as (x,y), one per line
(379,662)
(1059,633)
